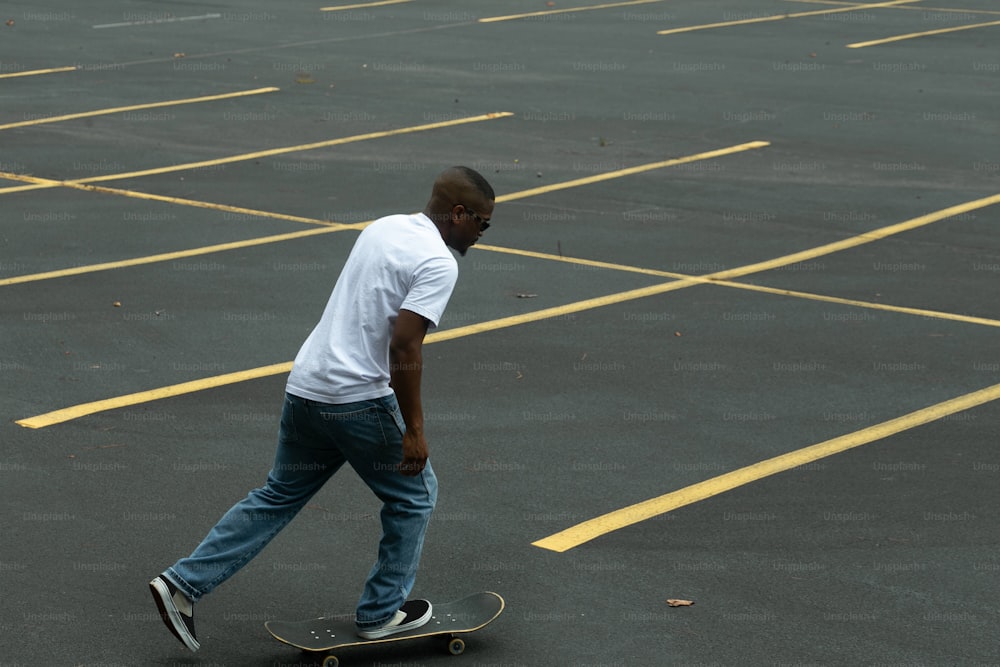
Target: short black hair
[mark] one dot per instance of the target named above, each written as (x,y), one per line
(476,179)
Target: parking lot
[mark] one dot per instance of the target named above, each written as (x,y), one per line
(731,338)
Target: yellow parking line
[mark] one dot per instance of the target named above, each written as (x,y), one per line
(718,277)
(588,530)
(300,148)
(556,311)
(934,314)
(584,262)
(84,409)
(76,411)
(921,8)
(24,188)
(36,72)
(272,152)
(947,10)
(920,312)
(41,182)
(168,256)
(915,35)
(210,205)
(610,5)
(66,414)
(135,107)
(170,200)
(597,178)
(781,17)
(855,241)
(363,5)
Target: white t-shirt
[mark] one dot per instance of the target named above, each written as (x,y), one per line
(397,262)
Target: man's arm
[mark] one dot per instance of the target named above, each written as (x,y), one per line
(405,368)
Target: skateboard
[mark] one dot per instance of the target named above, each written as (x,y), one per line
(449,620)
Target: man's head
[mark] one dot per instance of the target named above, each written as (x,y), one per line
(461,206)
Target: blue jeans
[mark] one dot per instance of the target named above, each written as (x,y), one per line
(314,441)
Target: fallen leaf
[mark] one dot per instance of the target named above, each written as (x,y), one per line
(10,21)
(117,304)
(677,333)
(679,603)
(179,55)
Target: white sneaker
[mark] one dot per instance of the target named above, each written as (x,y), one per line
(175,610)
(411,615)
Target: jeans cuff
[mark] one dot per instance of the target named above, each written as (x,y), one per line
(181,585)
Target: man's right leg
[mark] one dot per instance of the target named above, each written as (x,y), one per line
(375,452)
(384,607)
(304,461)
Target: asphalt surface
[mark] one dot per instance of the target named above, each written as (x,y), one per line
(882,554)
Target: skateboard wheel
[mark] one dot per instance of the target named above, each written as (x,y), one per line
(331,661)
(456,646)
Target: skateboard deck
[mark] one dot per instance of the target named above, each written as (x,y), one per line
(448,620)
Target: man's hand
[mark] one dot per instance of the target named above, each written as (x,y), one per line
(414,454)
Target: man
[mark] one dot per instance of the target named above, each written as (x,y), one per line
(353,396)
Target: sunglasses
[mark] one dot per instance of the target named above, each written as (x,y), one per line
(484,224)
